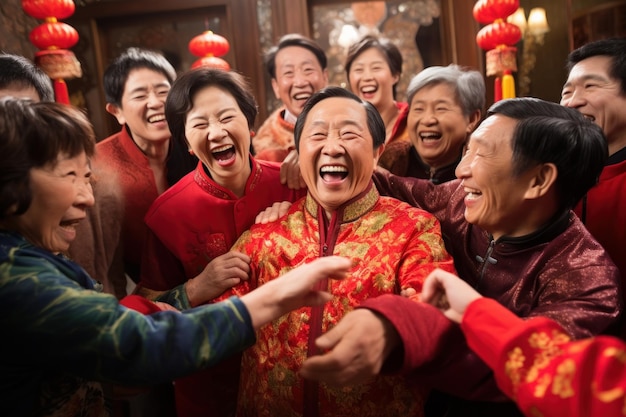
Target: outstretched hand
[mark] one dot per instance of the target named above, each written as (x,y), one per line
(294,289)
(448,293)
(357,348)
(219,275)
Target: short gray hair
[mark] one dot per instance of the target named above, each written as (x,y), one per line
(468,85)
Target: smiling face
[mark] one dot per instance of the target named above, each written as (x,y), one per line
(371,79)
(437,126)
(593,92)
(61,194)
(142,106)
(495,198)
(218,133)
(336,152)
(298,75)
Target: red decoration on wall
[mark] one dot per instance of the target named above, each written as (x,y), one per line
(209,47)
(54,39)
(498,38)
(487,11)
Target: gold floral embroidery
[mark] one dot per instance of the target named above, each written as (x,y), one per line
(542,385)
(562,385)
(513,365)
(547,346)
(608,395)
(616,353)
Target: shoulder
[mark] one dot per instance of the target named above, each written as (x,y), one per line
(173,197)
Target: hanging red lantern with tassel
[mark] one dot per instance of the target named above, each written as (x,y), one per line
(54,39)
(498,38)
(209,47)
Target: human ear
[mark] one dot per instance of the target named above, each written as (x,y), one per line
(542,181)
(116,111)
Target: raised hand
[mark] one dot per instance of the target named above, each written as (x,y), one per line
(219,275)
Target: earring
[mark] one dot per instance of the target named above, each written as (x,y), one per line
(191,152)
(252,134)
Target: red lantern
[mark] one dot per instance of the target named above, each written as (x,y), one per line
(487,11)
(43,9)
(211,62)
(54,38)
(57,35)
(497,39)
(209,47)
(498,33)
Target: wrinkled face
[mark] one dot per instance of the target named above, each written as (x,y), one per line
(437,126)
(298,75)
(371,79)
(495,198)
(20,92)
(143,106)
(217,132)
(61,195)
(336,152)
(593,92)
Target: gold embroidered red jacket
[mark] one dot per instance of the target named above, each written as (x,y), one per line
(392,246)
(537,364)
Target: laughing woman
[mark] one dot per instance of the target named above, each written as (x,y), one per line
(195,222)
(61,333)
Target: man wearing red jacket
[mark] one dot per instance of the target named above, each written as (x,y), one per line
(596,87)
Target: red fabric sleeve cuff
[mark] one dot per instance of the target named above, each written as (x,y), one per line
(488,327)
(420,326)
(140,304)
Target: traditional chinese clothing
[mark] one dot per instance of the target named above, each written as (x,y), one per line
(392,247)
(274,139)
(190,224)
(603,211)
(401,158)
(536,363)
(559,271)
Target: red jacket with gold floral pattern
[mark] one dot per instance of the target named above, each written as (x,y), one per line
(392,247)
(536,363)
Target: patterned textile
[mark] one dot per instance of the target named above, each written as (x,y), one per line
(401,158)
(559,271)
(392,247)
(64,333)
(536,363)
(190,224)
(274,139)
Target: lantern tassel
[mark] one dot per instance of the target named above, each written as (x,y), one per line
(60,91)
(497,90)
(508,86)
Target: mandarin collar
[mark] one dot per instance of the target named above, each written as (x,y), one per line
(350,210)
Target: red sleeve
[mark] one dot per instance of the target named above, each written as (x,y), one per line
(140,304)
(537,364)
(434,350)
(422,328)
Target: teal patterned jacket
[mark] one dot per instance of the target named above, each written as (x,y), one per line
(59,333)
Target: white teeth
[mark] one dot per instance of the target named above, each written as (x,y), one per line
(157,118)
(304,96)
(430,135)
(472,194)
(333,168)
(368,89)
(222,148)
